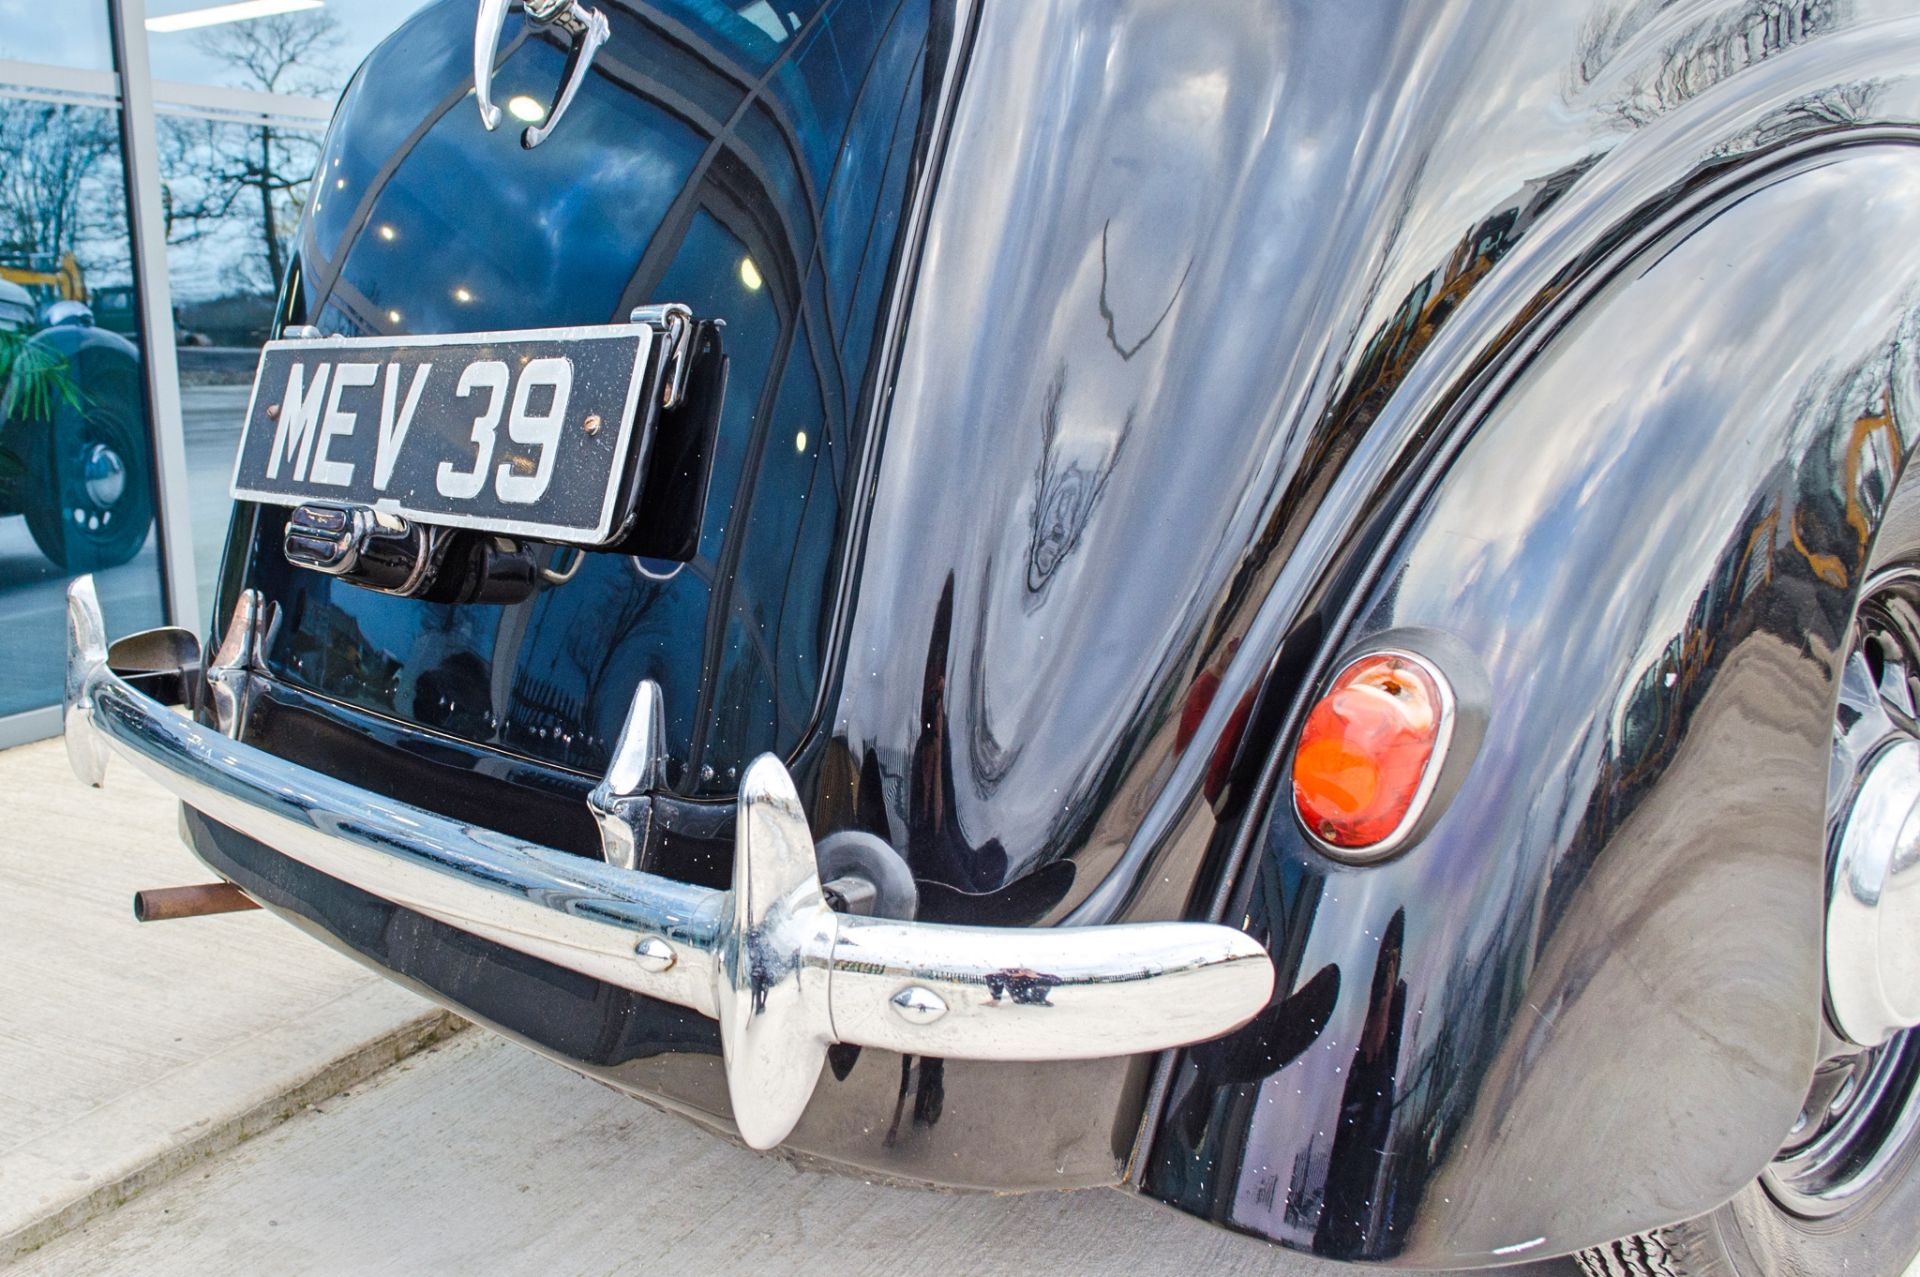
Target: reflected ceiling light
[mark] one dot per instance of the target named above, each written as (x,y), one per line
(750,274)
(214,15)
(525,109)
(387,233)
(800,442)
(462,295)
(393,317)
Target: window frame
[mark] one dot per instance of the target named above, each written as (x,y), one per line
(130,89)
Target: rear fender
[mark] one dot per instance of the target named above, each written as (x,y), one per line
(1588,1001)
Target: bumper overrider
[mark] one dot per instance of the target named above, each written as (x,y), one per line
(783,974)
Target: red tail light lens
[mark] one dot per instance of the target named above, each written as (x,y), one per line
(1369,752)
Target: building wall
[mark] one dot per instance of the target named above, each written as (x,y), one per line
(154,158)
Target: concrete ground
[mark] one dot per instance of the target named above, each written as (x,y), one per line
(478,1157)
(170,1103)
(126,1050)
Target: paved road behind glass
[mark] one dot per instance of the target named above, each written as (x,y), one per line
(212,416)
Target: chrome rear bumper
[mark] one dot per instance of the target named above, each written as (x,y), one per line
(784,975)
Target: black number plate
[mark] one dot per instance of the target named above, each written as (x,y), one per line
(526,433)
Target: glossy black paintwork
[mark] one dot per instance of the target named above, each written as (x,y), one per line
(762,183)
(502,715)
(1209,296)
(1610,942)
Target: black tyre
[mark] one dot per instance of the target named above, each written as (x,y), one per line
(1842,1196)
(89,479)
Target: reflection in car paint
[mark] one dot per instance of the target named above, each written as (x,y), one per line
(1066,490)
(1263,227)
(550,678)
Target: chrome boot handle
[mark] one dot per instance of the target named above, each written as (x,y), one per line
(587,29)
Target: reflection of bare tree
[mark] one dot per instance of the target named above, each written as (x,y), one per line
(288,53)
(1065,494)
(58,184)
(596,657)
(1841,106)
(1696,57)
(217,170)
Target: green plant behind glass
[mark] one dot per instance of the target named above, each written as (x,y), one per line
(34,378)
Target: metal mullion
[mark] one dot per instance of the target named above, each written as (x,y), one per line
(147,220)
(18,93)
(285,123)
(80,81)
(29,725)
(180,96)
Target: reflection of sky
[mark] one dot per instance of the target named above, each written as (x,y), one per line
(70,34)
(362,24)
(74,33)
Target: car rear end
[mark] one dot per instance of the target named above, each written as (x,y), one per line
(547,724)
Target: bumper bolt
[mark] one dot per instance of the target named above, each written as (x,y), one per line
(654,954)
(919,1005)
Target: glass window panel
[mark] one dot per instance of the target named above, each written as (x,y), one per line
(76,465)
(311,49)
(232,195)
(72,33)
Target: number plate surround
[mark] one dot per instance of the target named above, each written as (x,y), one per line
(437,468)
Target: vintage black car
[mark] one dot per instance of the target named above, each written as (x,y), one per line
(1310,608)
(73,433)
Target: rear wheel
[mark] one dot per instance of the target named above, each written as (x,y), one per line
(1841,1195)
(89,486)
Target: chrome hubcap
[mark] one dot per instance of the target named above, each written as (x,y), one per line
(1873,906)
(103,475)
(1873,792)
(1856,1120)
(1859,1115)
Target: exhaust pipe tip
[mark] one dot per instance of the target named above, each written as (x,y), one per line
(159,904)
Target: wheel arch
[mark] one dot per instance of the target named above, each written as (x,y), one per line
(69,342)
(1604,990)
